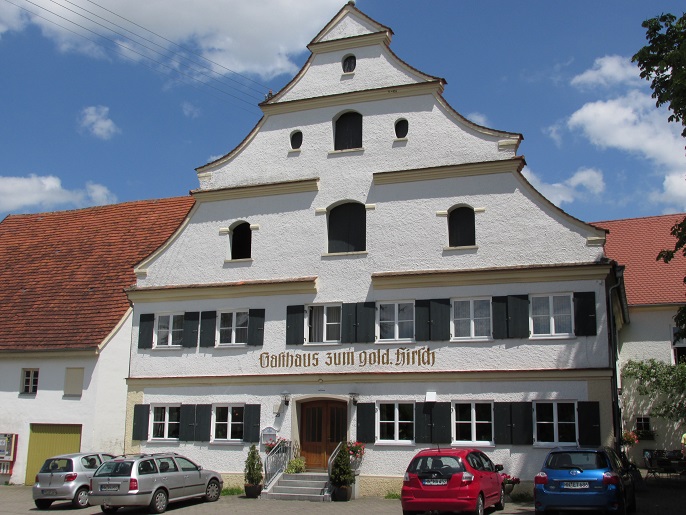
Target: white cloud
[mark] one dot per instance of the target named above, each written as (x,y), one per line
(607,71)
(46,192)
(478,118)
(554,132)
(585,183)
(189,110)
(96,120)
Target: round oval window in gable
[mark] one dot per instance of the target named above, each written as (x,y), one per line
(296,140)
(349,63)
(401,128)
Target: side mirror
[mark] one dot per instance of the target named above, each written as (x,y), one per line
(499,467)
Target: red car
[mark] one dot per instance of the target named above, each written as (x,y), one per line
(452,480)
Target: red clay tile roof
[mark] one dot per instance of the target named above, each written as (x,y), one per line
(63,274)
(636,242)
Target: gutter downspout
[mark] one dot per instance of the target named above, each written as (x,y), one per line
(614,359)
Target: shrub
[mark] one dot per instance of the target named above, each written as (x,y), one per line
(253,467)
(295,466)
(341,472)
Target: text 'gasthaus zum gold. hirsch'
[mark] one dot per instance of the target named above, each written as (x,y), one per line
(401,357)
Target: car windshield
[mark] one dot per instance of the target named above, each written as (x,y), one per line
(114,468)
(444,464)
(583,460)
(57,465)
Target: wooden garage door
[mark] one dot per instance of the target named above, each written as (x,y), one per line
(48,440)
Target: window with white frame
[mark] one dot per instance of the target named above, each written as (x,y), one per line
(228,422)
(474,422)
(324,324)
(555,422)
(29,383)
(472,318)
(232,327)
(396,321)
(643,423)
(678,348)
(396,422)
(551,315)
(166,421)
(169,330)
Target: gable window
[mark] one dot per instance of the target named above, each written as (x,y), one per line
(169,330)
(347,228)
(396,422)
(324,324)
(474,422)
(396,321)
(551,315)
(472,319)
(401,128)
(233,327)
(555,422)
(296,140)
(461,228)
(166,421)
(348,131)
(228,422)
(349,63)
(29,380)
(241,241)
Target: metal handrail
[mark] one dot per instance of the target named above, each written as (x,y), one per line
(329,465)
(277,460)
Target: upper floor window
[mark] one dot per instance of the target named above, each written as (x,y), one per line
(401,128)
(396,321)
(555,422)
(241,241)
(166,421)
(324,324)
(472,318)
(233,327)
(349,63)
(169,330)
(347,228)
(296,140)
(29,380)
(396,422)
(474,422)
(678,348)
(348,131)
(228,423)
(461,230)
(551,315)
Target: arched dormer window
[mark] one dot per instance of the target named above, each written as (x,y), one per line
(348,131)
(347,228)
(349,63)
(296,140)
(241,241)
(461,230)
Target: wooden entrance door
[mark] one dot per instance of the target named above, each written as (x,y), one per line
(323,426)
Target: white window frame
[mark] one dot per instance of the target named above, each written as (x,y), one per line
(396,423)
(229,422)
(473,421)
(472,336)
(325,322)
(156,336)
(555,422)
(551,315)
(680,344)
(396,332)
(29,381)
(166,422)
(645,421)
(233,313)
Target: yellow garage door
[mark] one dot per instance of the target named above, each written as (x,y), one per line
(48,440)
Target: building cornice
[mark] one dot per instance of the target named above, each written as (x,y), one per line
(257,190)
(449,172)
(60,353)
(334,45)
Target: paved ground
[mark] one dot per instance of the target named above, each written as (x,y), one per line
(659,497)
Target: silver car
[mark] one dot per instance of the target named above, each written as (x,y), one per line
(152,480)
(67,477)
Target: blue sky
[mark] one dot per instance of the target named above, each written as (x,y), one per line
(88,121)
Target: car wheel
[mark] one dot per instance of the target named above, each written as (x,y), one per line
(212,491)
(479,510)
(43,504)
(80,499)
(109,509)
(159,502)
(500,505)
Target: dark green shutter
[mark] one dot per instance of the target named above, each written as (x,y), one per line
(522,423)
(366,322)
(518,316)
(146,327)
(187,423)
(589,423)
(251,423)
(141,418)
(439,311)
(422,422)
(295,325)
(190,329)
(256,327)
(499,314)
(502,423)
(366,422)
(442,430)
(203,422)
(422,321)
(208,328)
(584,314)
(349,323)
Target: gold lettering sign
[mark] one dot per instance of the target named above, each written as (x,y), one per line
(402,357)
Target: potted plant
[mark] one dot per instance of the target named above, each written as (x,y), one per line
(342,476)
(253,473)
(509,483)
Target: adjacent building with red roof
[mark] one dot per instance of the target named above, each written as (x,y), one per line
(64,347)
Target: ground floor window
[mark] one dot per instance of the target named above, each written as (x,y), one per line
(228,423)
(166,422)
(555,422)
(473,422)
(396,422)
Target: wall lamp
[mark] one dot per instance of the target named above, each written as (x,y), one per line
(285,397)
(353,398)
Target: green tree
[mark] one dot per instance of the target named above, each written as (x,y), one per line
(663,382)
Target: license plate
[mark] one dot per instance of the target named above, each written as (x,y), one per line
(435,482)
(49,492)
(109,488)
(575,485)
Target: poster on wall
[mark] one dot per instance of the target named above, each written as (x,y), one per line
(7,445)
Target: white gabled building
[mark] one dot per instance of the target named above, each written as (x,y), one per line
(370,265)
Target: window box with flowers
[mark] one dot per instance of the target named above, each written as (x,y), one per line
(645,434)
(509,483)
(629,438)
(356,452)
(270,444)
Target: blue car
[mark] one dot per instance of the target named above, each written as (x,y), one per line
(581,478)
